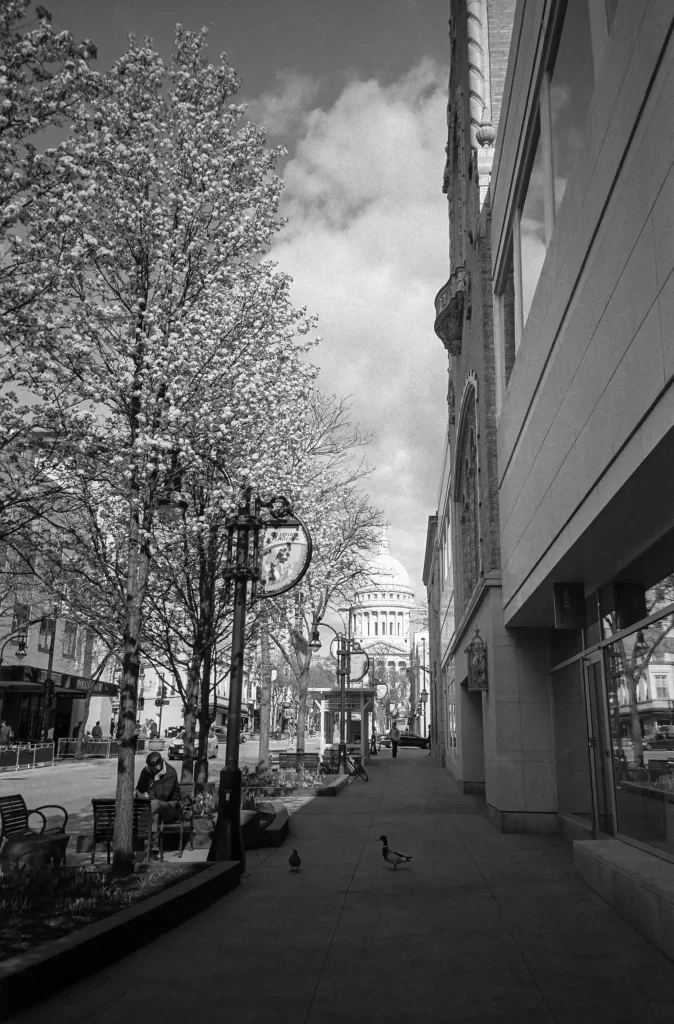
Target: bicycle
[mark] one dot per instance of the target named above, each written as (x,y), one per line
(354,769)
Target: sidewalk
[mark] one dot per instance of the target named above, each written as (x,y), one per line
(481,927)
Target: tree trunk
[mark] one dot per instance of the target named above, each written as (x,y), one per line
(204,720)
(265,689)
(127,728)
(190,716)
(303,692)
(86,672)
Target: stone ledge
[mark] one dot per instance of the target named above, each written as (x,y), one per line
(638,885)
(521,822)
(335,787)
(39,972)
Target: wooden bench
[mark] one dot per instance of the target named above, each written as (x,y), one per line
(286,759)
(104,824)
(14,817)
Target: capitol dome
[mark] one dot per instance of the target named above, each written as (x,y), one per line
(381,612)
(386,569)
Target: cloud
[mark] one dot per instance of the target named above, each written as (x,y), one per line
(367,245)
(282,112)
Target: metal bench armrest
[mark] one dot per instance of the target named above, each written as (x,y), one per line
(44,820)
(52,807)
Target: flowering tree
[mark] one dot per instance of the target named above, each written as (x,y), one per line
(164,336)
(43,74)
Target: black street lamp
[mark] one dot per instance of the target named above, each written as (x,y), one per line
(21,645)
(424,701)
(346,647)
(270,570)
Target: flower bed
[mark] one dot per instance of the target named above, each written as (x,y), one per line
(38,907)
(280,782)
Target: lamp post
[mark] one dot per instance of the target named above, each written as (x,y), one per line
(424,701)
(21,645)
(346,646)
(279,566)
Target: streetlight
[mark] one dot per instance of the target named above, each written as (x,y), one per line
(424,701)
(346,646)
(21,645)
(271,571)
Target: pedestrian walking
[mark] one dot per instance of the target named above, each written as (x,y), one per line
(76,730)
(394,736)
(6,734)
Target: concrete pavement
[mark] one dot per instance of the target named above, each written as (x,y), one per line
(481,927)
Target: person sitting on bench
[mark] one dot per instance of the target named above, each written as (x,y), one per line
(158,782)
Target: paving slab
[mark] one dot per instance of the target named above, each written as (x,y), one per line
(480,927)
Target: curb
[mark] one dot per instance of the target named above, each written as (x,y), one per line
(28,978)
(335,787)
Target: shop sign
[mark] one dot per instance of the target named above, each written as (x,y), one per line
(569,599)
(286,554)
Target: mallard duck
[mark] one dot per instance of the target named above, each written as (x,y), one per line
(392,856)
(294,860)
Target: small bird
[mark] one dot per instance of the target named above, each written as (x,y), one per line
(294,860)
(392,856)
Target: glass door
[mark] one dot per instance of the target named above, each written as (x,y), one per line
(600,745)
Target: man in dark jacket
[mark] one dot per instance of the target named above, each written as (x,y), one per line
(97,732)
(158,782)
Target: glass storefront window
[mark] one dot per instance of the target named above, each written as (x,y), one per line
(643,744)
(571,751)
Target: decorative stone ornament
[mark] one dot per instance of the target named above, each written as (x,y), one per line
(450,303)
(476,652)
(486,135)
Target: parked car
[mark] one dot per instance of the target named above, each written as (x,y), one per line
(221,732)
(383,740)
(659,743)
(172,731)
(177,746)
(412,739)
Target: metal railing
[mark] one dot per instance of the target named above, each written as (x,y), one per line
(26,755)
(94,748)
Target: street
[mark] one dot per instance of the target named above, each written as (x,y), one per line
(73,784)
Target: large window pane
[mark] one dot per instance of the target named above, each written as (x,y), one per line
(532,231)
(571,750)
(640,691)
(571,85)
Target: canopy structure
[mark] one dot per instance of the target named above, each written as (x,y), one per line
(358,703)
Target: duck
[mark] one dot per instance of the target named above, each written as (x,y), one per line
(392,856)
(294,860)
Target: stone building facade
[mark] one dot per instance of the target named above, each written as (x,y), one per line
(576,367)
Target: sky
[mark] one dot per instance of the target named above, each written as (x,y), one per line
(357,92)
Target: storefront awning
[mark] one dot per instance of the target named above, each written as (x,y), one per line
(32,680)
(222,707)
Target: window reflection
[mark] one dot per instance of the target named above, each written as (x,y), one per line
(532,231)
(571,85)
(641,702)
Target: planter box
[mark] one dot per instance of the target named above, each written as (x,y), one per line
(280,791)
(39,972)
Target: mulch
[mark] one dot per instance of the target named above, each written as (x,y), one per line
(44,919)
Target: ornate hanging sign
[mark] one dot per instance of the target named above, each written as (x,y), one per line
(285,557)
(476,652)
